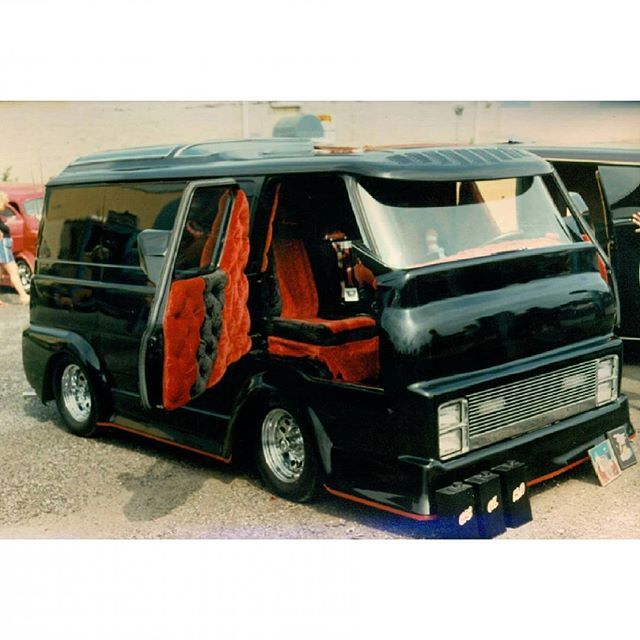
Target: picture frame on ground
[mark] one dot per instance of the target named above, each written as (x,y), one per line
(622,448)
(604,462)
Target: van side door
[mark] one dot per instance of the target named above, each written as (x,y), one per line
(583,178)
(621,188)
(126,292)
(199,321)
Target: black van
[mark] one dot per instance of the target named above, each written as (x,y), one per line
(380,322)
(609,181)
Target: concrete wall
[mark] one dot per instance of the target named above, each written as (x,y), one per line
(37,139)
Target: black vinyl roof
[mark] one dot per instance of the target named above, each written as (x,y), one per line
(601,155)
(226,158)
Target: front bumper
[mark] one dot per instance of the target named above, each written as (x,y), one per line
(407,487)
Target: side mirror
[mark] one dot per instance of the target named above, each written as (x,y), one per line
(582,207)
(579,203)
(152,249)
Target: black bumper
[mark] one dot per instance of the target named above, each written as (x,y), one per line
(408,486)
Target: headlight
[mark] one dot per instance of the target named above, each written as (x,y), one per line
(453,428)
(607,380)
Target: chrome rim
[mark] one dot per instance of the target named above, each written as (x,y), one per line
(25,275)
(283,445)
(76,395)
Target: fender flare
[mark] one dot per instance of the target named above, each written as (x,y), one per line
(253,396)
(60,343)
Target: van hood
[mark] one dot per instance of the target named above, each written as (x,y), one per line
(445,320)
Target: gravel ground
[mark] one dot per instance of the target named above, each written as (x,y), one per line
(55,485)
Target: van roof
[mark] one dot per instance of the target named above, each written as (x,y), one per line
(266,156)
(602,155)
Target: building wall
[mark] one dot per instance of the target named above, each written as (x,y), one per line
(37,139)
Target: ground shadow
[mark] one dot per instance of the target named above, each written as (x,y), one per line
(41,412)
(161,489)
(174,476)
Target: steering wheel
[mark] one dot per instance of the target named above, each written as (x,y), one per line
(511,235)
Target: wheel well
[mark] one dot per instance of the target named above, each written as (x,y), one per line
(244,427)
(48,390)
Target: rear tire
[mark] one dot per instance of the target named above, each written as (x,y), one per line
(286,453)
(76,398)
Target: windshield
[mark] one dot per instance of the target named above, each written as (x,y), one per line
(410,223)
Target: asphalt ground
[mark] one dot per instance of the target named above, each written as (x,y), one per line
(56,485)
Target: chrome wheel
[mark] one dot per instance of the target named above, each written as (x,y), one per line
(283,445)
(76,394)
(24,272)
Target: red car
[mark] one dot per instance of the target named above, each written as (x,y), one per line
(23,217)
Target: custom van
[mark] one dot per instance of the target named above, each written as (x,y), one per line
(609,181)
(380,323)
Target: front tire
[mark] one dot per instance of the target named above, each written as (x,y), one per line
(25,274)
(76,398)
(286,453)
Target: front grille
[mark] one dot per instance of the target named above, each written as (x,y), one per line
(512,409)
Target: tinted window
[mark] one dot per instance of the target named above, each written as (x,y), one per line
(73,225)
(621,186)
(203,231)
(130,208)
(581,177)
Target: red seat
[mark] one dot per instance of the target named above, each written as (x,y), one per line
(347,346)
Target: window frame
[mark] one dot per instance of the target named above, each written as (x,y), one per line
(158,305)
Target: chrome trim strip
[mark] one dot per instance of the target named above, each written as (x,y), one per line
(608,163)
(95,284)
(50,261)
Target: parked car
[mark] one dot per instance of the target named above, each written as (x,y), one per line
(379,323)
(609,181)
(23,217)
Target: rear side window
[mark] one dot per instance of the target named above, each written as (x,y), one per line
(100,224)
(73,225)
(131,208)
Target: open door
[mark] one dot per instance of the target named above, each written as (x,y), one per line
(199,323)
(621,190)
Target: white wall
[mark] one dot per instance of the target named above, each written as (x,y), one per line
(37,139)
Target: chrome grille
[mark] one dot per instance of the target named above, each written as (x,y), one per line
(513,409)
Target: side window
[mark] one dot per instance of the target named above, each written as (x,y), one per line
(73,226)
(130,208)
(582,178)
(202,234)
